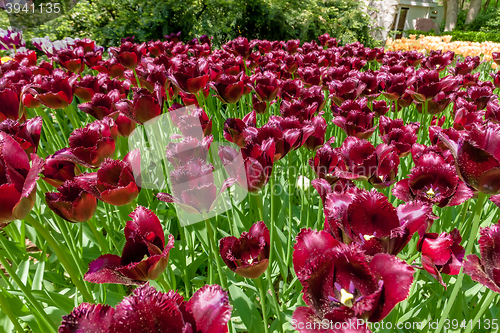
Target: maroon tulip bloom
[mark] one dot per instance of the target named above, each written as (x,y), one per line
(437,60)
(26,134)
(27,58)
(349,89)
(87,87)
(10,104)
(291,89)
(299,109)
(465,67)
(72,202)
(310,75)
(357,123)
(485,270)
(368,218)
(190,76)
(426,85)
(496,79)
(247,256)
(342,283)
(317,138)
(101,105)
(17,180)
(379,165)
(193,187)
(53,91)
(180,153)
(229,88)
(114,183)
(129,54)
(148,310)
(72,60)
(144,257)
(234,128)
(144,107)
(254,172)
(266,85)
(476,157)
(480,95)
(239,47)
(394,132)
(259,106)
(328,163)
(441,253)
(91,145)
(56,171)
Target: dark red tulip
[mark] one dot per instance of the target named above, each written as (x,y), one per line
(144,257)
(466,66)
(129,54)
(492,111)
(173,37)
(496,79)
(310,76)
(317,138)
(91,145)
(193,187)
(147,310)
(26,134)
(266,85)
(285,138)
(379,165)
(195,124)
(239,47)
(234,128)
(426,85)
(298,109)
(190,76)
(114,183)
(229,88)
(254,171)
(87,87)
(485,270)
(71,59)
(56,171)
(329,164)
(437,60)
(434,181)
(291,90)
(26,58)
(349,89)
(292,127)
(369,219)
(72,202)
(468,80)
(112,67)
(477,157)
(394,132)
(54,91)
(10,104)
(314,95)
(17,180)
(342,283)
(357,123)
(479,95)
(101,105)
(179,153)
(247,256)
(259,106)
(441,253)
(144,107)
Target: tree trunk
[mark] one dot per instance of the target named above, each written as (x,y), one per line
(474,8)
(486,5)
(445,7)
(451,14)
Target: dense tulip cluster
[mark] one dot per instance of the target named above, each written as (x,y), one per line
(389,139)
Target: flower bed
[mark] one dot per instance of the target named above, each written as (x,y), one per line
(260,187)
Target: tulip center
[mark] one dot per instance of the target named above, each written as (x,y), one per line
(430,193)
(346,298)
(368,237)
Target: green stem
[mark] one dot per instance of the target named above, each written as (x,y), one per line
(137,79)
(423,122)
(470,244)
(62,258)
(185,275)
(215,253)
(27,293)
(290,214)
(262,292)
(271,252)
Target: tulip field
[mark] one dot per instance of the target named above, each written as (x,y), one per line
(260,186)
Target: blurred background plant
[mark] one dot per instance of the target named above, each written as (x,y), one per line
(108,21)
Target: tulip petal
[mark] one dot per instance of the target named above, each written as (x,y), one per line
(103,270)
(397,277)
(88,318)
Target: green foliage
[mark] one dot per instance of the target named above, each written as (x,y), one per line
(108,21)
(487,21)
(466,36)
